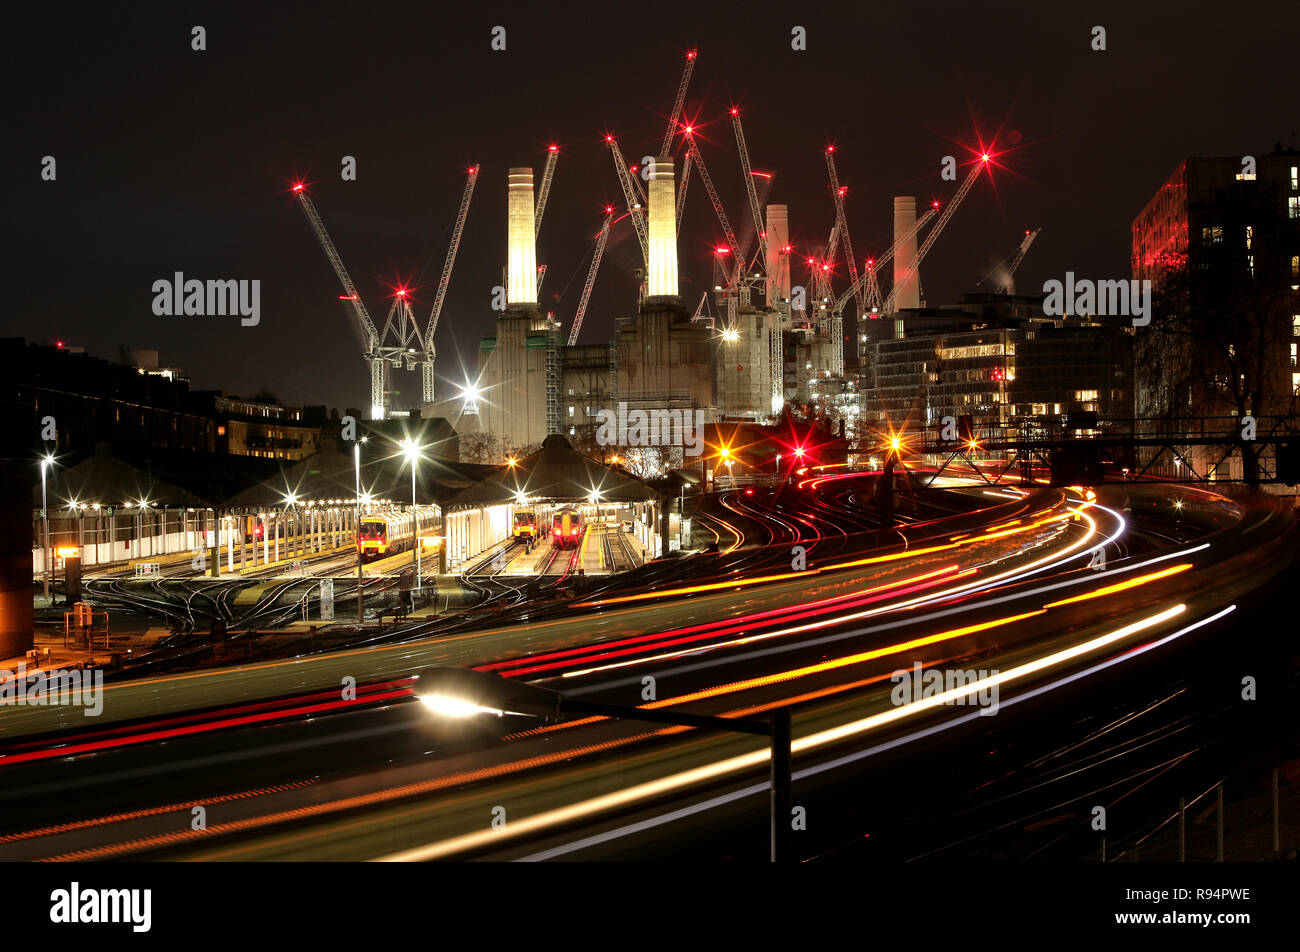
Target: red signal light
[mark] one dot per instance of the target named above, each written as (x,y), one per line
(723,251)
(553,148)
(58,344)
(298,186)
(691,54)
(985,157)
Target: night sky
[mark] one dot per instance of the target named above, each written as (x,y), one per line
(174,160)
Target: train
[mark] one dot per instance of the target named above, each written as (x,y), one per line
(253,529)
(527,524)
(383,535)
(567,528)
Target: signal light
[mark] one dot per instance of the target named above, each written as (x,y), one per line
(553,148)
(735,111)
(985,156)
(298,186)
(691,54)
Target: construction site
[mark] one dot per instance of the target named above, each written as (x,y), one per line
(766,341)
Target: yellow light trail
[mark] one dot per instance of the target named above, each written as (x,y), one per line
(718,769)
(1122,586)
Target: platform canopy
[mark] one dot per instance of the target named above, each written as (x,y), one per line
(330,475)
(556,473)
(108,481)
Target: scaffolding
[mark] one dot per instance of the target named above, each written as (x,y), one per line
(553,374)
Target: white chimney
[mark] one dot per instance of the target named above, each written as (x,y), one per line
(521,263)
(662,279)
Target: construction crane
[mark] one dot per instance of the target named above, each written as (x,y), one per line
(444,282)
(750,191)
(373,354)
(933,236)
(635,201)
(838,192)
(1006,269)
(601,238)
(548,173)
(678,102)
(674,118)
(868,280)
(732,284)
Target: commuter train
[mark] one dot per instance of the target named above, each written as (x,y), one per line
(253,529)
(567,528)
(527,525)
(383,535)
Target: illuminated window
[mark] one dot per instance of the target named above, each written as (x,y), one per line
(1293,207)
(1295,325)
(1084,396)
(1250,236)
(1245,176)
(570,411)
(1295,266)
(1250,264)
(1212,234)
(1295,176)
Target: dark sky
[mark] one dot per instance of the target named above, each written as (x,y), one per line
(173,160)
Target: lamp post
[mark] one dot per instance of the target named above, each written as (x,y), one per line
(412,452)
(356,453)
(46,460)
(461,692)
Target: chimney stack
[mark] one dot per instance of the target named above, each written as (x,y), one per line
(778,261)
(521,261)
(906,280)
(662,278)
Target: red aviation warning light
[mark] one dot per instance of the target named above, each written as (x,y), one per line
(553,148)
(298,186)
(347,297)
(985,157)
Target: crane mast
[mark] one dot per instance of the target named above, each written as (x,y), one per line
(591,276)
(678,102)
(444,282)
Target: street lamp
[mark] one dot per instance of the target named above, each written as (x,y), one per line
(356,455)
(461,692)
(412,452)
(46,461)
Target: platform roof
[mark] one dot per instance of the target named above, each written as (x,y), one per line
(103,478)
(385,474)
(557,472)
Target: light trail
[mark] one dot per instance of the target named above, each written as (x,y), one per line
(713,772)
